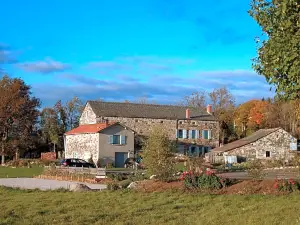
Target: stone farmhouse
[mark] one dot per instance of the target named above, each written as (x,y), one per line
(110,142)
(264,144)
(194,131)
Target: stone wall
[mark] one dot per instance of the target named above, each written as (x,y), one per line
(142,126)
(277,143)
(84,145)
(88,116)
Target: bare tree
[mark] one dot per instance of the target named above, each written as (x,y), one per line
(196,99)
(222,102)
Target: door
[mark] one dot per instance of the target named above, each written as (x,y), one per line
(120,158)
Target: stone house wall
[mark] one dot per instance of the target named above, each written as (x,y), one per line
(142,126)
(277,143)
(88,116)
(82,145)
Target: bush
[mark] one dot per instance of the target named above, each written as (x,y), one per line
(255,169)
(117,176)
(157,155)
(124,183)
(287,185)
(204,180)
(113,186)
(91,161)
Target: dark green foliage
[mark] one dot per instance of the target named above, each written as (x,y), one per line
(279,52)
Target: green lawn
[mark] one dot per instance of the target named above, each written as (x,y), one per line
(124,207)
(20,172)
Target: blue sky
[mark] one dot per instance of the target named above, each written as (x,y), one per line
(116,50)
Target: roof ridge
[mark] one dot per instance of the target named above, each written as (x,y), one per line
(148,104)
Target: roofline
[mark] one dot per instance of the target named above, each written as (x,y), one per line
(117,123)
(249,142)
(162,105)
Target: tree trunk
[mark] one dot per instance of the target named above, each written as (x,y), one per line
(2,155)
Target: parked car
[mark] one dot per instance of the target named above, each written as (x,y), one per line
(76,163)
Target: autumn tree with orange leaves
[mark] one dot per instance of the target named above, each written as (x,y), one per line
(250,116)
(18,115)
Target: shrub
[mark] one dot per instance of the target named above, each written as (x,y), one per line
(113,186)
(138,176)
(255,169)
(285,185)
(117,176)
(91,161)
(124,183)
(157,155)
(204,180)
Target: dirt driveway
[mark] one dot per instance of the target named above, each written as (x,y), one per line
(43,184)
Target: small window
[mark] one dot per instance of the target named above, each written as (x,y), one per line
(193,134)
(117,140)
(206,134)
(193,150)
(161,121)
(194,123)
(180,133)
(180,122)
(267,154)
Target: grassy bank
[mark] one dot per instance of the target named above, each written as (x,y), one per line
(35,207)
(20,172)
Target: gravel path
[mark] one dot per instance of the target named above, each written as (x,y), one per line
(43,184)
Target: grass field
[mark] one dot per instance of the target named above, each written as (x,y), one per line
(20,172)
(124,207)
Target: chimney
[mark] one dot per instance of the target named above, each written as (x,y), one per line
(187,114)
(209,109)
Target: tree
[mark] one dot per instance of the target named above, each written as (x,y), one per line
(72,110)
(279,55)
(241,117)
(50,126)
(18,114)
(222,102)
(157,155)
(196,99)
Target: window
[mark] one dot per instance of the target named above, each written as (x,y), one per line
(193,150)
(193,134)
(267,154)
(206,134)
(180,134)
(117,140)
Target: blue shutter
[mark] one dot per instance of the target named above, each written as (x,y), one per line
(110,139)
(190,134)
(184,133)
(123,140)
(177,133)
(203,134)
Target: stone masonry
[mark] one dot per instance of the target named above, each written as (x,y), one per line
(277,144)
(83,145)
(142,126)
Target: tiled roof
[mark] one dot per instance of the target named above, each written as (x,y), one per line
(134,110)
(245,141)
(89,128)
